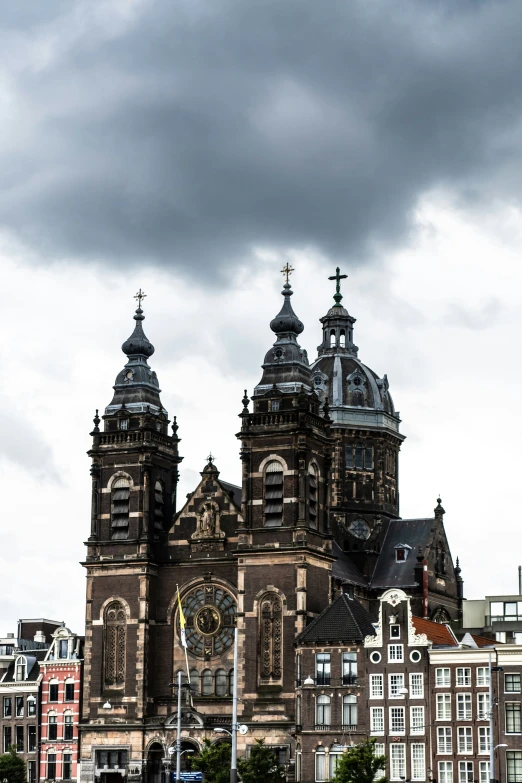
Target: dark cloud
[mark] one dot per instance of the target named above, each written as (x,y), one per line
(187,133)
(24,447)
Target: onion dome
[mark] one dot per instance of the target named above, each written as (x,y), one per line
(138,344)
(286,364)
(137,388)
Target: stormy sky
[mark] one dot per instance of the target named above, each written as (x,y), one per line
(192,147)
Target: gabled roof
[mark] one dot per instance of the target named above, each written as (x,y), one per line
(344,621)
(233,490)
(483,641)
(437,633)
(390,573)
(344,569)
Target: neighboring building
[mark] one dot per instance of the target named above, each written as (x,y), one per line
(20,704)
(317,513)
(497,616)
(61,685)
(32,635)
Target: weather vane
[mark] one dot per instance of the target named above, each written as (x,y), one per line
(139,297)
(287,270)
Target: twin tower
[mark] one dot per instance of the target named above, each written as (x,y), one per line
(317,512)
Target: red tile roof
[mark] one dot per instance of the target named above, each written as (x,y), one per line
(483,641)
(436,632)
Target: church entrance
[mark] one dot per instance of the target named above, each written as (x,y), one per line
(155,768)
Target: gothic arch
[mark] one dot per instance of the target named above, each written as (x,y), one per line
(270,629)
(109,601)
(114,645)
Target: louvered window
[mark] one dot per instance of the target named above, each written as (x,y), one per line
(273,494)
(312,495)
(120,508)
(158,505)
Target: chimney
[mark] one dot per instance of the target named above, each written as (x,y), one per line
(39,637)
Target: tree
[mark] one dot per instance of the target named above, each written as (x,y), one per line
(12,767)
(359,764)
(214,760)
(262,765)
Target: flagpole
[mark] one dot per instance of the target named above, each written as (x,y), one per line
(184,642)
(178,738)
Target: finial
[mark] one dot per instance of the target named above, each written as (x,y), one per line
(245,402)
(338,277)
(210,458)
(96,421)
(175,426)
(326,409)
(439,511)
(287,271)
(140,296)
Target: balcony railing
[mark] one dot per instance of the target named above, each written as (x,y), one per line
(332,727)
(503,618)
(326,679)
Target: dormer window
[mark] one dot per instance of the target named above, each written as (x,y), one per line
(20,669)
(401,552)
(63,648)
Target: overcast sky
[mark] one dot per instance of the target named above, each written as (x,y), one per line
(192,147)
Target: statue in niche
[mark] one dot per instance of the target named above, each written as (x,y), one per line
(208,522)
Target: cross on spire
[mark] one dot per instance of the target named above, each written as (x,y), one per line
(211,458)
(338,277)
(140,296)
(287,270)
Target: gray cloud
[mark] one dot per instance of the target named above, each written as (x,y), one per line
(185,134)
(24,447)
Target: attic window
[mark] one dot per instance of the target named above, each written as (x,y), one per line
(63,645)
(275,405)
(124,424)
(21,669)
(400,555)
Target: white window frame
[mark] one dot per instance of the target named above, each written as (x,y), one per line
(395,653)
(414,693)
(464,706)
(444,740)
(466,767)
(483,740)
(483,771)
(444,768)
(443,699)
(464,733)
(376,684)
(482,676)
(397,761)
(443,677)
(417,724)
(482,714)
(376,711)
(400,713)
(393,690)
(321,778)
(463,677)
(417,774)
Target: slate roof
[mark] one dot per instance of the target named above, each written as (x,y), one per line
(34,672)
(344,569)
(345,620)
(438,633)
(232,490)
(413,532)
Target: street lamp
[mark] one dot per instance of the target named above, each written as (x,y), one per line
(179,686)
(107,705)
(223,731)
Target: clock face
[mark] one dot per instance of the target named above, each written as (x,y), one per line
(360,529)
(210,616)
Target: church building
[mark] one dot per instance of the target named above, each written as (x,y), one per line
(316,516)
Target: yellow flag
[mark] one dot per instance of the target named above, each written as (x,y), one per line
(182,622)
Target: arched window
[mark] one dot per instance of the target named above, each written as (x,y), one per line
(231,682)
(221,682)
(332,338)
(320,766)
(334,756)
(120,493)
(194,681)
(312,495)
(357,398)
(271,619)
(207,682)
(114,645)
(159,502)
(68,725)
(342,339)
(21,669)
(274,494)
(349,711)
(322,711)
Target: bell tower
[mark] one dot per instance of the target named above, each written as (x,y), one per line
(284,544)
(134,469)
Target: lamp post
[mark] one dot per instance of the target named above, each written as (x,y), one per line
(178,727)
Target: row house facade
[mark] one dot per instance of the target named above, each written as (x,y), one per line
(408,683)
